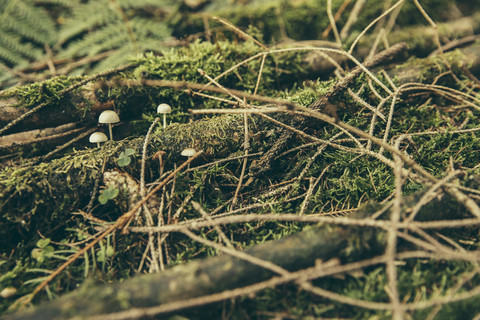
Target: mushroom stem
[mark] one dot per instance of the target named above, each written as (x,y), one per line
(164,121)
(98,144)
(160,159)
(110,131)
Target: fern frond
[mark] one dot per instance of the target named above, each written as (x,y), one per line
(123,25)
(15,47)
(63,3)
(129,4)
(86,17)
(25,19)
(117,58)
(102,39)
(9,57)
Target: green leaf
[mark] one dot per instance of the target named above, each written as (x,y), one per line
(37,254)
(110,251)
(42,243)
(102,199)
(107,194)
(129,152)
(123,161)
(101,255)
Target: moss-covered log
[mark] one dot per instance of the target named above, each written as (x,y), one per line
(213,275)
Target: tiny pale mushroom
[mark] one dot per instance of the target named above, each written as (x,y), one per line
(188,152)
(98,137)
(163,109)
(109,117)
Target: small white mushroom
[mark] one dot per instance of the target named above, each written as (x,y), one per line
(164,108)
(109,117)
(98,137)
(188,152)
(8,292)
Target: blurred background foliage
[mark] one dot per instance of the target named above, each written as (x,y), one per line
(44,38)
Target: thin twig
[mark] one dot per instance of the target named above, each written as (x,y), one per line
(119,223)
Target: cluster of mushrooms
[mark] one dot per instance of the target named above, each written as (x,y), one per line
(110,117)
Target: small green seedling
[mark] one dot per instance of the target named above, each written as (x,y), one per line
(104,253)
(43,250)
(107,194)
(124,158)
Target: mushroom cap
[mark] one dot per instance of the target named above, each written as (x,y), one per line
(188,152)
(108,116)
(98,137)
(164,108)
(159,154)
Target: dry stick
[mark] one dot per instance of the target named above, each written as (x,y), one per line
(198,207)
(462,198)
(222,88)
(374,91)
(352,18)
(89,206)
(336,17)
(148,215)
(373,23)
(455,43)
(433,25)
(161,222)
(144,155)
(438,247)
(68,143)
(389,79)
(61,93)
(378,59)
(208,31)
(386,306)
(436,39)
(373,49)
(262,64)
(430,194)
(374,121)
(391,246)
(121,221)
(50,64)
(447,90)
(323,101)
(239,32)
(226,160)
(246,145)
(454,191)
(313,185)
(307,166)
(332,22)
(18,73)
(311,218)
(389,120)
(360,150)
(362,102)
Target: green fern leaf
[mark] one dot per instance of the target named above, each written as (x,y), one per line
(121,25)
(22,17)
